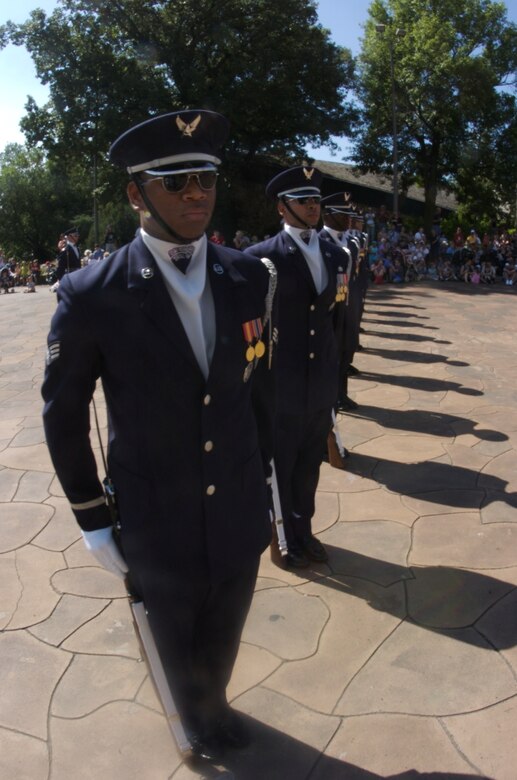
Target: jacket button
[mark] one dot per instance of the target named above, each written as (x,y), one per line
(210,490)
(312,332)
(209,446)
(313,307)
(311,355)
(207,399)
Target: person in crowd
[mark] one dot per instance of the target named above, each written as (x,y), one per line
(510,273)
(241,241)
(98,252)
(396,273)
(310,287)
(467,269)
(35,271)
(217,238)
(69,257)
(487,271)
(110,240)
(6,280)
(446,271)
(180,331)
(473,241)
(378,271)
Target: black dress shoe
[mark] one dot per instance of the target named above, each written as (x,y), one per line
(232,732)
(346,404)
(314,549)
(296,559)
(207,748)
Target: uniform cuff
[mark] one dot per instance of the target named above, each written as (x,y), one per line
(91,518)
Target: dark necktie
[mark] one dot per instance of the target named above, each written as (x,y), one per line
(305,235)
(181,255)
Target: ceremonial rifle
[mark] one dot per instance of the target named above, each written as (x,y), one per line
(143,632)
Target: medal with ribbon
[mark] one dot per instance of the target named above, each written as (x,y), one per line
(341,286)
(252,331)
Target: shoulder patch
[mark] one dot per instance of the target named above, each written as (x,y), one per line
(53,352)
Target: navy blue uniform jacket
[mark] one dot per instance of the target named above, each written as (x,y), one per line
(308,358)
(187,457)
(67,261)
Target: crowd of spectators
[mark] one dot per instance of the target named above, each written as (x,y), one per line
(396,255)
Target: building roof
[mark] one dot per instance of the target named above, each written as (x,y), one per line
(351,175)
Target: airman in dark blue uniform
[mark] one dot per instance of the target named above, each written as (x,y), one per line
(338,211)
(311,295)
(69,258)
(179,331)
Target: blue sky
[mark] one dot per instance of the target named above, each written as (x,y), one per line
(344,19)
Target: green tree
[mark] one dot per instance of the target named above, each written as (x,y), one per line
(36,203)
(268,66)
(450,60)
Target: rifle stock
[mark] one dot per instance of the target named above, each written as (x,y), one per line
(278,548)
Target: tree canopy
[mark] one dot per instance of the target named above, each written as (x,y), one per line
(450,60)
(269,67)
(36,202)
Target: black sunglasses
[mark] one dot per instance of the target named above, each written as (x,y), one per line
(303,201)
(177,182)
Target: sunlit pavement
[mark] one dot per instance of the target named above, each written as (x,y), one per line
(397,659)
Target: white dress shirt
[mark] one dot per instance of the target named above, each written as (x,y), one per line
(191,294)
(312,254)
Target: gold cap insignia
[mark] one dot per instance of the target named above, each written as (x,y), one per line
(187,128)
(308,172)
(347,196)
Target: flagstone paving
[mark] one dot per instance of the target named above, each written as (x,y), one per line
(396,659)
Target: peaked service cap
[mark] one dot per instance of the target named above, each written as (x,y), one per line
(299,182)
(339,202)
(171,143)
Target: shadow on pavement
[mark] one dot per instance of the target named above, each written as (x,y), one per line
(408,356)
(423,421)
(433,478)
(274,755)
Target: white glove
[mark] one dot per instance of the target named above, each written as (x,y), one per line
(102,546)
(53,288)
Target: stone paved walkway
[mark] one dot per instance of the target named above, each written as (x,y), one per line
(399,659)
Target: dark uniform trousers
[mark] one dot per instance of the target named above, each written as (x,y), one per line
(188,457)
(349,336)
(307,363)
(197,626)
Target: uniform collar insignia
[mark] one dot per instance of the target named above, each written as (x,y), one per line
(187,129)
(218,268)
(147,273)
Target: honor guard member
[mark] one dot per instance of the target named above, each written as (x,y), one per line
(363,271)
(311,295)
(178,330)
(69,258)
(337,212)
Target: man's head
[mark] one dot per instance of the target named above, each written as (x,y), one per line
(172,160)
(297,193)
(337,209)
(357,220)
(72,235)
